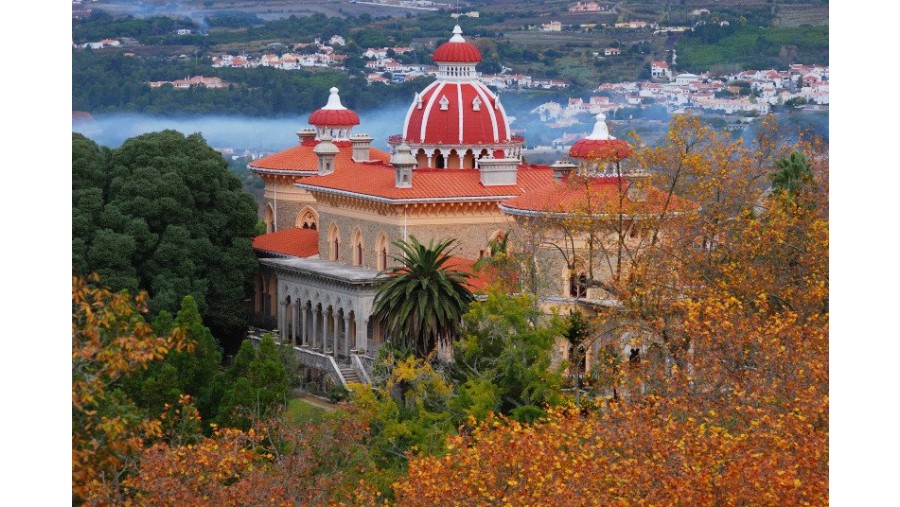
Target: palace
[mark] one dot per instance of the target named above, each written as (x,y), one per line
(334,206)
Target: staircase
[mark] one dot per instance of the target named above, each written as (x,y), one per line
(349,373)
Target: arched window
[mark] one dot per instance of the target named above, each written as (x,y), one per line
(307,219)
(269,219)
(381,252)
(438,159)
(334,243)
(357,248)
(578,280)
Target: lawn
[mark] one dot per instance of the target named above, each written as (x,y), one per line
(301,411)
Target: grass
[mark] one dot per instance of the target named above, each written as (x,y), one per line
(300,411)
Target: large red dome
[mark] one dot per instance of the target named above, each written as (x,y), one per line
(456,113)
(334,114)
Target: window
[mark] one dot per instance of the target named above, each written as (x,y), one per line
(577,285)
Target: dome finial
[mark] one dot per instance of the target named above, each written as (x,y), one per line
(457,35)
(601,131)
(334,100)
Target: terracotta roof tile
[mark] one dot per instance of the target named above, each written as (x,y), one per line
(596,195)
(302,158)
(378,181)
(294,241)
(479,279)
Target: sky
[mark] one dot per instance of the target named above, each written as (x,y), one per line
(864,342)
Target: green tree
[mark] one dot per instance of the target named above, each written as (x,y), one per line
(422,301)
(792,176)
(196,371)
(163,214)
(260,385)
(503,360)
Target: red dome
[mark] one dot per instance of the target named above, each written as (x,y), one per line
(456,113)
(457,52)
(600,149)
(334,114)
(333,118)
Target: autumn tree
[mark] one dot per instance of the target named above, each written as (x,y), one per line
(110,340)
(732,408)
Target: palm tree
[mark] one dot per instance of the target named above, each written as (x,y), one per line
(793,173)
(422,301)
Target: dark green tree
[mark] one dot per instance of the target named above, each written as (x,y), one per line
(163,214)
(421,302)
(260,385)
(196,371)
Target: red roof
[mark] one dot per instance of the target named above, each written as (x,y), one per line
(294,241)
(479,279)
(333,118)
(457,52)
(378,180)
(302,158)
(460,123)
(592,195)
(600,149)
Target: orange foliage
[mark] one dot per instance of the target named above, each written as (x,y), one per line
(110,339)
(730,404)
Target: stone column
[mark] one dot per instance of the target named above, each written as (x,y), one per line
(347,334)
(294,313)
(315,328)
(361,343)
(304,328)
(282,321)
(334,334)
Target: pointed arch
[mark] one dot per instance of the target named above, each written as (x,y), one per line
(334,243)
(356,240)
(269,219)
(307,219)
(577,279)
(381,252)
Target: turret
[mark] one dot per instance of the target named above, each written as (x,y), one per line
(403,162)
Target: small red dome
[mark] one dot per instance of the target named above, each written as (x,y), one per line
(334,114)
(457,52)
(600,149)
(333,118)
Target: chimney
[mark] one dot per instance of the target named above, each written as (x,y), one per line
(361,144)
(498,171)
(562,169)
(326,151)
(307,135)
(638,182)
(403,162)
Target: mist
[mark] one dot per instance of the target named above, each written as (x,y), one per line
(251,133)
